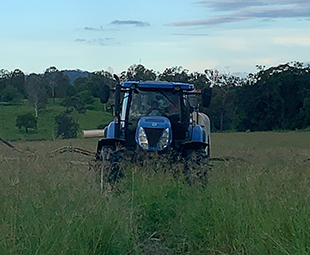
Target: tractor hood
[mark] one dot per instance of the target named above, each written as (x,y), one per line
(154,133)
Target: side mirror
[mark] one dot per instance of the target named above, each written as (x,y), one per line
(206,96)
(104,94)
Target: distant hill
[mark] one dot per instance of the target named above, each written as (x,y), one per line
(74,74)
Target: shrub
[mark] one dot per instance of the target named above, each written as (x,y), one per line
(27,121)
(67,126)
(75,102)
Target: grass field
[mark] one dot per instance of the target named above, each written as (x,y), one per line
(256,204)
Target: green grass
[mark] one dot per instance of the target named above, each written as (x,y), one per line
(260,205)
(93,117)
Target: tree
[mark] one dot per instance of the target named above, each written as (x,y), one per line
(199,80)
(36,92)
(139,73)
(5,76)
(51,76)
(222,107)
(96,80)
(57,82)
(80,84)
(11,95)
(75,102)
(86,96)
(274,98)
(17,81)
(175,74)
(67,126)
(305,112)
(27,121)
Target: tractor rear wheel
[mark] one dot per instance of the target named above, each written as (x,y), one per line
(111,159)
(196,167)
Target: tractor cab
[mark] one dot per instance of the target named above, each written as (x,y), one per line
(150,104)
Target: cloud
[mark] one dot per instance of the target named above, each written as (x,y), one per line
(136,23)
(97,29)
(97,41)
(303,41)
(239,10)
(205,22)
(230,5)
(189,34)
(94,29)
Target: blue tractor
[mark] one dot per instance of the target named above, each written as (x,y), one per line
(155,117)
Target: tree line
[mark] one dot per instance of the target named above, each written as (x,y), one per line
(275,98)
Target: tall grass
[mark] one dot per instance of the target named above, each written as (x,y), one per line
(258,205)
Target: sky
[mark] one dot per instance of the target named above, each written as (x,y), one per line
(232,36)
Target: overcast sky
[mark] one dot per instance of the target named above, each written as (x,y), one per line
(229,35)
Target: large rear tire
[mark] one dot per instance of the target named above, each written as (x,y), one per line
(111,163)
(196,167)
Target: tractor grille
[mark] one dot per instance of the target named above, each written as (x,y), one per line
(153,135)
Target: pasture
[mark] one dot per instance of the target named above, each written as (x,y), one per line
(92,118)
(257,203)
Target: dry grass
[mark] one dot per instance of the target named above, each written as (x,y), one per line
(51,205)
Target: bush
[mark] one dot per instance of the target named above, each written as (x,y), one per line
(67,126)
(27,121)
(74,102)
(11,95)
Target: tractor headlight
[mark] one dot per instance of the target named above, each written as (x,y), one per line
(164,139)
(142,138)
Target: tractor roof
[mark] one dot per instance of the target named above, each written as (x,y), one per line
(157,85)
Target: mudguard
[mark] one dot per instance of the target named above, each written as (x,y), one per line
(109,138)
(197,139)
(197,134)
(110,130)
(203,120)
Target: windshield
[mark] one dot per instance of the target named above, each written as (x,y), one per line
(154,103)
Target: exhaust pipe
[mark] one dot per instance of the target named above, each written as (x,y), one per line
(117,107)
